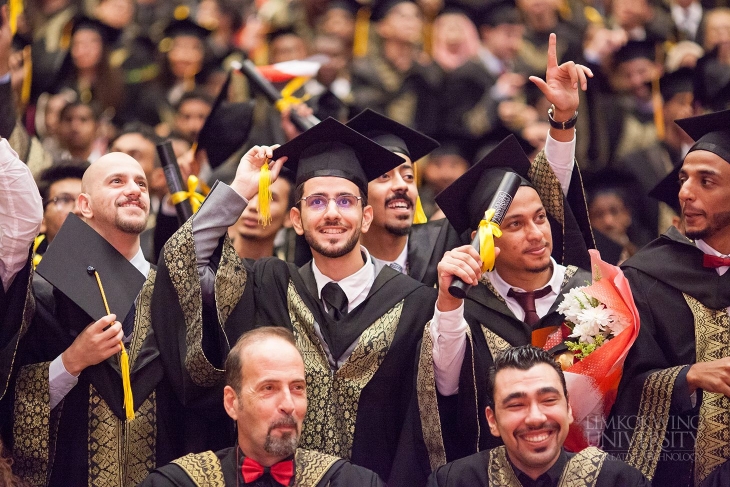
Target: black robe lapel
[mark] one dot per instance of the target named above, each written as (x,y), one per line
(507,326)
(675,260)
(421,246)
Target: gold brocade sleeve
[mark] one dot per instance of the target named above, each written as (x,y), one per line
(311,466)
(204,469)
(547,186)
(30,150)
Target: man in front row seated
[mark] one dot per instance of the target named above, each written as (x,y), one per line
(266,394)
(529,410)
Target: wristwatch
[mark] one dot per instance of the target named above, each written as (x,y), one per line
(568,124)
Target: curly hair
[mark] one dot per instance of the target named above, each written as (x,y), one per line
(7,478)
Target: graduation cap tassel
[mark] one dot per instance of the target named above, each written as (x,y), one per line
(123,359)
(265,195)
(487,231)
(419,216)
(15,9)
(362,32)
(37,243)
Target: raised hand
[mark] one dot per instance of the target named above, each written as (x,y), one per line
(562,83)
(462,262)
(99,341)
(246,182)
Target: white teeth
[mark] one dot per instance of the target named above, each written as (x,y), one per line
(536,438)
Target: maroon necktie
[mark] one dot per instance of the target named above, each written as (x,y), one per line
(526,300)
(282,472)
(715,261)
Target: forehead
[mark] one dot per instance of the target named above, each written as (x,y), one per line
(700,160)
(510,380)
(66,185)
(271,358)
(79,111)
(194,105)
(329,185)
(132,142)
(526,200)
(116,163)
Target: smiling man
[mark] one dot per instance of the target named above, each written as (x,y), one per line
(266,395)
(528,409)
(677,375)
(357,327)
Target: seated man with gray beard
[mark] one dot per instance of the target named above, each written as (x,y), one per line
(266,394)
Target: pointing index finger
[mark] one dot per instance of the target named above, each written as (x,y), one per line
(552,57)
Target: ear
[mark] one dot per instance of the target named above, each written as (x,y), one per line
(230,402)
(473,234)
(83,203)
(492,420)
(367,218)
(295,216)
(43,225)
(570,414)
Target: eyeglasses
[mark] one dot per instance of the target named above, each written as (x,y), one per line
(318,202)
(61,201)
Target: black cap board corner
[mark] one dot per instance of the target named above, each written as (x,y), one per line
(667,190)
(711,132)
(331,148)
(78,247)
(466,199)
(392,135)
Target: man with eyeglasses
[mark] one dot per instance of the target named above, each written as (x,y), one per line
(358,330)
(60,186)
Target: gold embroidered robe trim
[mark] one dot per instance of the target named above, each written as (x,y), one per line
(204,469)
(311,466)
(582,470)
(28,312)
(179,255)
(712,339)
(333,398)
(34,444)
(230,281)
(652,421)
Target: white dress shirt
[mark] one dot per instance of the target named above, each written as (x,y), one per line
(21,213)
(687,20)
(356,286)
(448,329)
(401,260)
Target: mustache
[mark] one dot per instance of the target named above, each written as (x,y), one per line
(287,421)
(399,195)
(547,425)
(139,201)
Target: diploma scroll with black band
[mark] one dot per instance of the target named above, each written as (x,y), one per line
(483,241)
(174,179)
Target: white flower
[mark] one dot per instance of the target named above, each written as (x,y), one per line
(585,332)
(617,325)
(600,317)
(573,303)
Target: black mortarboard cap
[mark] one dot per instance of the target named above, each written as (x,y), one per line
(710,132)
(66,264)
(351,6)
(392,135)
(466,199)
(280,32)
(635,50)
(712,82)
(226,128)
(679,81)
(382,7)
(186,27)
(331,148)
(498,13)
(667,190)
(109,35)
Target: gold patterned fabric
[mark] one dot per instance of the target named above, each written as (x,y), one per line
(120,452)
(311,466)
(179,255)
(428,403)
(204,469)
(652,421)
(333,398)
(495,342)
(143,316)
(582,470)
(547,186)
(712,338)
(28,312)
(230,281)
(33,449)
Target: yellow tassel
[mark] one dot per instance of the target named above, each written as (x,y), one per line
(265,195)
(28,78)
(419,216)
(15,10)
(487,231)
(123,359)
(362,33)
(287,94)
(37,243)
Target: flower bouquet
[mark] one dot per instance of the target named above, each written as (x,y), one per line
(603,322)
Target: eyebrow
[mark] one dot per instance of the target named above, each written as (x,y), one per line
(540,392)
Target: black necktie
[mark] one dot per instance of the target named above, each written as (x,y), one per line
(336,300)
(526,300)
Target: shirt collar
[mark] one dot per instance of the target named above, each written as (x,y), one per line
(354,284)
(401,260)
(706,249)
(141,263)
(549,478)
(493,64)
(555,283)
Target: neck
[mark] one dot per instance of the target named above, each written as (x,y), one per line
(534,473)
(400,54)
(262,458)
(86,76)
(382,244)
(82,154)
(248,248)
(339,268)
(543,22)
(720,241)
(523,279)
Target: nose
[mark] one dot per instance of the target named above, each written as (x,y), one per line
(286,405)
(532,232)
(535,415)
(685,191)
(331,210)
(398,183)
(253,204)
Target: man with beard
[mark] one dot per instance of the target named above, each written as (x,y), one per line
(266,395)
(669,419)
(528,408)
(69,386)
(393,239)
(357,330)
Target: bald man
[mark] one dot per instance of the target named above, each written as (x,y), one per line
(70,426)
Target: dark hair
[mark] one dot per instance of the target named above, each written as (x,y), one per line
(194,95)
(234,361)
(73,169)
(521,358)
(93,106)
(147,133)
(299,194)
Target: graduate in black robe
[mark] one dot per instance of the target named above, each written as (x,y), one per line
(359,358)
(667,417)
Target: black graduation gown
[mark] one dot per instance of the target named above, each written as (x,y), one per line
(473,471)
(356,411)
(427,244)
(312,469)
(653,390)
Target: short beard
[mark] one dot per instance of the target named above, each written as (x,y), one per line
(399,231)
(541,269)
(287,444)
(131,227)
(333,253)
(717,222)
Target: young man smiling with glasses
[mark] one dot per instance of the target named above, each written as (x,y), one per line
(358,329)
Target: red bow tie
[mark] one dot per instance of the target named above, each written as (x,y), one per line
(282,472)
(715,261)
